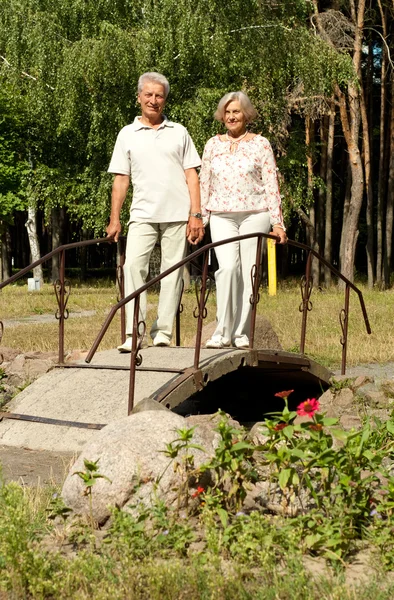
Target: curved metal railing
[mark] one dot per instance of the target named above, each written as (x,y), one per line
(62,290)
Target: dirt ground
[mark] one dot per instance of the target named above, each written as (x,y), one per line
(34,467)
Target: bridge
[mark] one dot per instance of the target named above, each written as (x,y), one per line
(63,409)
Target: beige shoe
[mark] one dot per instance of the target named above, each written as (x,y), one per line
(242,343)
(161,340)
(216,343)
(126,346)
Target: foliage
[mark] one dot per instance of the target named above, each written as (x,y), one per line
(348,499)
(73,66)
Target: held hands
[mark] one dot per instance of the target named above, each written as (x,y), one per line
(114,229)
(280,233)
(194,231)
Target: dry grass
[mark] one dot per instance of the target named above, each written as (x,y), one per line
(323,330)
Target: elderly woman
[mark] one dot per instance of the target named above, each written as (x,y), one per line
(239,189)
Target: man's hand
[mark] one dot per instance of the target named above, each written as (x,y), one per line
(195,231)
(119,191)
(114,230)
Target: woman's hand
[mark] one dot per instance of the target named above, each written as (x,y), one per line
(280,233)
(195,231)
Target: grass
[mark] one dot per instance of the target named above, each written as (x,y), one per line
(323,329)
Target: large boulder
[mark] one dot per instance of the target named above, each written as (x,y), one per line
(130,454)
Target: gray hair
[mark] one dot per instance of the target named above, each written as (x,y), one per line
(156,78)
(248,110)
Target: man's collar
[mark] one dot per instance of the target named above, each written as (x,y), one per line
(138,125)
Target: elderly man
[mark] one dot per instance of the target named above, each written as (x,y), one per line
(159,157)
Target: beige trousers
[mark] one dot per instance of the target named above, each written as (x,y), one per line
(141,239)
(233,278)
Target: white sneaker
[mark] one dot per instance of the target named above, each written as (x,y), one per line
(216,343)
(161,340)
(126,346)
(242,342)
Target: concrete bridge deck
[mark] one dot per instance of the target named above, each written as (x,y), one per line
(241,382)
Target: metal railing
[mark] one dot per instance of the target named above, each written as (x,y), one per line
(62,291)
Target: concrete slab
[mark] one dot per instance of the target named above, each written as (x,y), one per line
(90,396)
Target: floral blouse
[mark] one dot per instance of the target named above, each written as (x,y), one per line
(244,180)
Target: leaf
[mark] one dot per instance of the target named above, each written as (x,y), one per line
(339,434)
(312,539)
(284,477)
(390,426)
(223,515)
(242,446)
(329,421)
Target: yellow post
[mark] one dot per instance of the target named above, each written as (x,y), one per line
(271,249)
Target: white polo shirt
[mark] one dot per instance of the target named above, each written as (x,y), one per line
(155,160)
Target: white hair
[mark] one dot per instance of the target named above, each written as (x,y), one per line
(157,78)
(247,108)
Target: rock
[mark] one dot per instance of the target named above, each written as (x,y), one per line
(326,400)
(256,435)
(148,404)
(350,422)
(340,381)
(344,398)
(376,399)
(387,387)
(9,354)
(264,336)
(211,421)
(25,368)
(361,380)
(130,453)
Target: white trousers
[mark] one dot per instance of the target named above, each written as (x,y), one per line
(233,278)
(141,239)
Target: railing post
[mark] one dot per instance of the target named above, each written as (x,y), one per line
(60,294)
(344,321)
(120,281)
(306,304)
(255,296)
(134,359)
(202,310)
(178,318)
(1,337)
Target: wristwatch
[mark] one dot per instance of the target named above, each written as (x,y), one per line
(197,215)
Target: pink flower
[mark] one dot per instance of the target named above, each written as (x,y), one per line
(284,394)
(308,408)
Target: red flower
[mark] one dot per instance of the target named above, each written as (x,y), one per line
(284,394)
(308,408)
(280,426)
(198,491)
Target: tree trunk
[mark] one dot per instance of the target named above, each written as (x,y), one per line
(311,229)
(57,239)
(328,219)
(369,189)
(351,125)
(320,210)
(31,227)
(381,176)
(390,197)
(6,253)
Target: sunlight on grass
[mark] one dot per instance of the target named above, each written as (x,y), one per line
(323,327)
